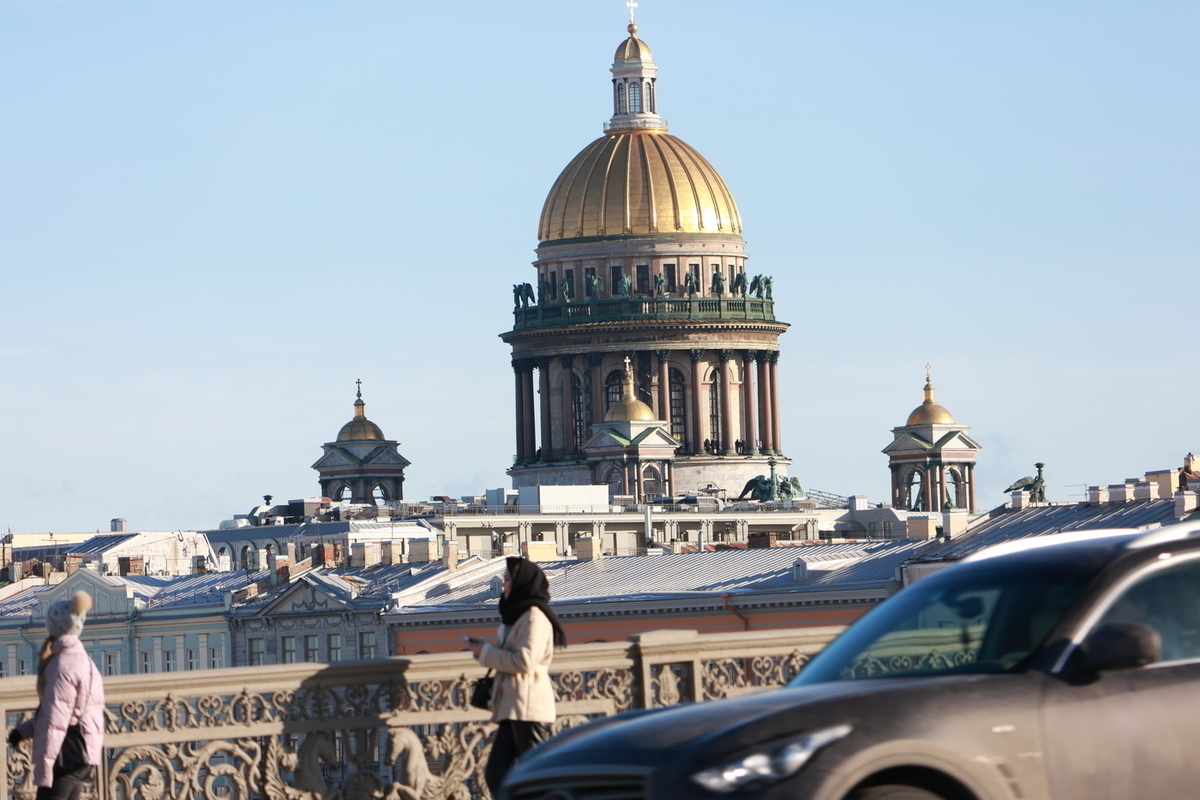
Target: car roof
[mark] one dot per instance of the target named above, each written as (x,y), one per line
(1105,543)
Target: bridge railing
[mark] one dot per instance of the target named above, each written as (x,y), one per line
(396,727)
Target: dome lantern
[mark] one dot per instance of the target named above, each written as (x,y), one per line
(635,96)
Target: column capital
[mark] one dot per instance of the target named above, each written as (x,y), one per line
(749,355)
(518,365)
(696,355)
(595,359)
(724,355)
(663,356)
(542,362)
(566,360)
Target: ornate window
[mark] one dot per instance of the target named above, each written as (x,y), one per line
(678,408)
(714,411)
(612,388)
(581,406)
(620,98)
(635,98)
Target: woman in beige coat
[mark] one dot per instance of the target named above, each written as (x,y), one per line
(523,696)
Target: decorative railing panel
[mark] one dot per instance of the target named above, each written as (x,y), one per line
(399,728)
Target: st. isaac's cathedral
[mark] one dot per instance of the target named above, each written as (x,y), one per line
(644,350)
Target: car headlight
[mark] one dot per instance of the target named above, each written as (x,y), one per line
(776,763)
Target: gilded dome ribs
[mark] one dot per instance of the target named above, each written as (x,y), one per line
(635,183)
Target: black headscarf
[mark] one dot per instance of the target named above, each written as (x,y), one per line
(530,588)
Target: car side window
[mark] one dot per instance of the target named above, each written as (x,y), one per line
(1167,600)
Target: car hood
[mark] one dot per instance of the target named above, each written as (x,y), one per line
(715,729)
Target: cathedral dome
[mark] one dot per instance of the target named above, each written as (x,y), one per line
(638,182)
(360,429)
(929,412)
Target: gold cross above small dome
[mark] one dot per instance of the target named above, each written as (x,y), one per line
(629,407)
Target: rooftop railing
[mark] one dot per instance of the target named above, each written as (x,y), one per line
(397,727)
(648,308)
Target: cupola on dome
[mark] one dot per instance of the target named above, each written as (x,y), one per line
(629,408)
(929,412)
(637,179)
(360,429)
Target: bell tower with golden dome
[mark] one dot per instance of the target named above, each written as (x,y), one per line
(932,459)
(362,465)
(641,257)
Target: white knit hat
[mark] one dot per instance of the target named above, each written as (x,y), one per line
(66,617)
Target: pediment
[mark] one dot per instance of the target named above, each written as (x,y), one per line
(912,441)
(303,598)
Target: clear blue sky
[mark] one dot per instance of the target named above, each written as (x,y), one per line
(215,216)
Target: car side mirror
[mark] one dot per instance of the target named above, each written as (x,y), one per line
(1120,645)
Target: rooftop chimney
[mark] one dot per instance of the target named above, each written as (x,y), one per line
(117,525)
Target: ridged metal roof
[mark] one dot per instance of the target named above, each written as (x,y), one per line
(830,566)
(1006,525)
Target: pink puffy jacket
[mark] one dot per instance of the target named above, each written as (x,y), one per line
(74,694)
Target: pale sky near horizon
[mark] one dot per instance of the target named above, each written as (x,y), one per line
(215,216)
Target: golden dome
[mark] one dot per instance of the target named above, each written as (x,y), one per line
(633,48)
(360,429)
(929,412)
(629,407)
(638,182)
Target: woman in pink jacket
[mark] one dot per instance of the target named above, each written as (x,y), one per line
(71,693)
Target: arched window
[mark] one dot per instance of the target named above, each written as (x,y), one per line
(678,408)
(378,494)
(615,484)
(913,490)
(714,412)
(635,98)
(956,487)
(620,98)
(612,388)
(650,105)
(652,482)
(581,407)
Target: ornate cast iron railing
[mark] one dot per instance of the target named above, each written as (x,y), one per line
(693,308)
(398,728)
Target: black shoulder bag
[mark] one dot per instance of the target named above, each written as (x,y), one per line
(481,691)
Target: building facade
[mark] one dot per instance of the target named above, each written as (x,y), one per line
(641,257)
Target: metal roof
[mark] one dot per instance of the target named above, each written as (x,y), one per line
(768,569)
(1006,524)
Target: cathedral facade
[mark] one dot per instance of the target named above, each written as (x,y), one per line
(641,258)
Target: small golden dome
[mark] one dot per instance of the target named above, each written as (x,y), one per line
(360,429)
(633,48)
(929,412)
(629,407)
(638,182)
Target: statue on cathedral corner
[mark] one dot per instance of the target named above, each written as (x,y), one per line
(767,283)
(1035,486)
(518,293)
(593,287)
(625,286)
(691,284)
(567,290)
(660,285)
(756,286)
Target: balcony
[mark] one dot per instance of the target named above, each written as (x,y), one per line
(661,308)
(397,727)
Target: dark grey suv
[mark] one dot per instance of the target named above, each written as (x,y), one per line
(1065,667)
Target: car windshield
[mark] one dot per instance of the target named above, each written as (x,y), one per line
(978,618)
